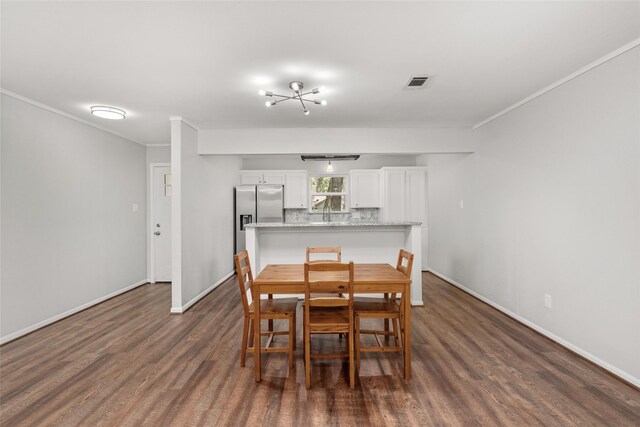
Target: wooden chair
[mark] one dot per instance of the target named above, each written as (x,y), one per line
(328,314)
(386,308)
(270,309)
(324,250)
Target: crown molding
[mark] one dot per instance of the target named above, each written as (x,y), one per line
(625,48)
(67,115)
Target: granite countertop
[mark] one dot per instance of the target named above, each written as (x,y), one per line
(331,224)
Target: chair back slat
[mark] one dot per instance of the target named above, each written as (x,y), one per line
(402,269)
(245,279)
(408,257)
(328,278)
(246,270)
(324,250)
(328,302)
(404,266)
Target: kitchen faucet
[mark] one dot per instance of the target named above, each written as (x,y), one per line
(326,212)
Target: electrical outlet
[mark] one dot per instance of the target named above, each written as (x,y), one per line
(461,204)
(547,300)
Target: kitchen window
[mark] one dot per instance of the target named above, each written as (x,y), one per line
(328,192)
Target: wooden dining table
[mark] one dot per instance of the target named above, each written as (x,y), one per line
(368,279)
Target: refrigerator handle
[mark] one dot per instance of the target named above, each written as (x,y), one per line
(244,220)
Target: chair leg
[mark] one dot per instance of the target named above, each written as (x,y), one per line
(295,332)
(251,333)
(352,379)
(396,331)
(292,338)
(401,321)
(307,357)
(271,325)
(245,333)
(386,323)
(357,344)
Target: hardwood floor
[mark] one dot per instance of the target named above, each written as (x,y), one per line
(128,362)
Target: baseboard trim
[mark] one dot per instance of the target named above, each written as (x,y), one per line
(51,320)
(187,306)
(624,376)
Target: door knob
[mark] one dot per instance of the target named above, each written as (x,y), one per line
(157,233)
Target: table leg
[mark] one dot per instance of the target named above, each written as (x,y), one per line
(257,343)
(407,332)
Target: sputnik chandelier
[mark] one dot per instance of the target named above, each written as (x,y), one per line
(297,87)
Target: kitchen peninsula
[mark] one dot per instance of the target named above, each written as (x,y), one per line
(361,242)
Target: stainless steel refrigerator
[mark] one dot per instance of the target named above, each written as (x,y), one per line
(257,203)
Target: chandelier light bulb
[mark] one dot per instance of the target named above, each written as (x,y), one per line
(262,92)
(269,103)
(295,86)
(306,112)
(323,102)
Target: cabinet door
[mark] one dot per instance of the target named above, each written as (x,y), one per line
(273,177)
(295,190)
(416,195)
(395,195)
(251,178)
(365,189)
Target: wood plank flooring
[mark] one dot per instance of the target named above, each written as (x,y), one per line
(128,361)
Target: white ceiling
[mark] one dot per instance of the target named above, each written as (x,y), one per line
(205,61)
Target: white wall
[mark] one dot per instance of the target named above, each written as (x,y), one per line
(336,140)
(288,162)
(203,204)
(552,206)
(69,235)
(160,154)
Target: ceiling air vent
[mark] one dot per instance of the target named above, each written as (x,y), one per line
(416,82)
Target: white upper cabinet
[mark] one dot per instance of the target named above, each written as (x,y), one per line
(294,181)
(274,177)
(295,190)
(262,177)
(251,177)
(404,194)
(365,188)
(394,195)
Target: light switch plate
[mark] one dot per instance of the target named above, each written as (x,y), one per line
(547,300)
(134,207)
(461,204)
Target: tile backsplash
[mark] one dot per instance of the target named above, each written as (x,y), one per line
(303,215)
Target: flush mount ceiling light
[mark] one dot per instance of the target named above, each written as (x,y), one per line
(106,112)
(297,87)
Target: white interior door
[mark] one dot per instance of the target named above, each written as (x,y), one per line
(161,223)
